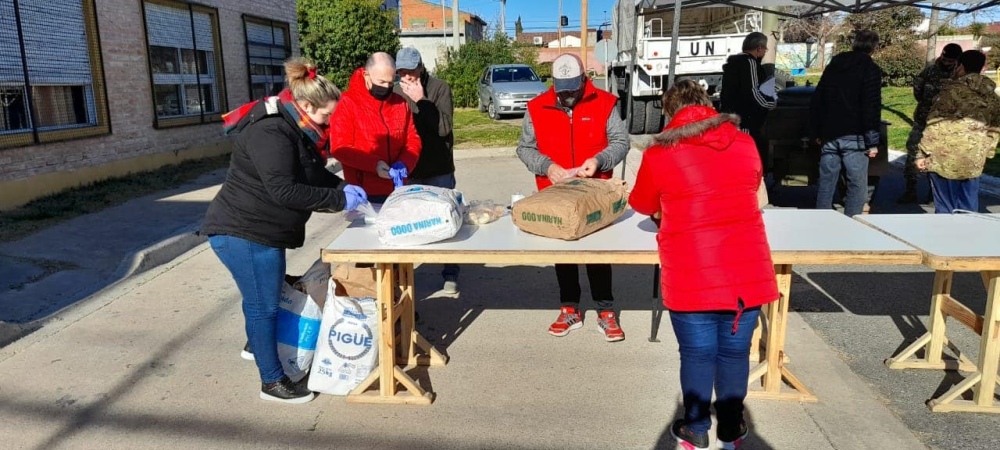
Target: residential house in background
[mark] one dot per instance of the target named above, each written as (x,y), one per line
(91,90)
(427,26)
(549,46)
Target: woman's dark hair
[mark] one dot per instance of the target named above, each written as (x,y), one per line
(865,41)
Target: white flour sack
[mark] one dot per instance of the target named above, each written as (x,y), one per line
(419,214)
(347,350)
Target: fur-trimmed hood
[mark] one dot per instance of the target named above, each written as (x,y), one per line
(701,122)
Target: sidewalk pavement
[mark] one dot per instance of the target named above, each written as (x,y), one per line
(147,356)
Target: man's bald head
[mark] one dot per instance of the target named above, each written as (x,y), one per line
(380,70)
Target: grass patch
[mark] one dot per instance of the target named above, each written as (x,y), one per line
(474,129)
(60,207)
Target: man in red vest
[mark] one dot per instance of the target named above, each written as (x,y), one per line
(579,133)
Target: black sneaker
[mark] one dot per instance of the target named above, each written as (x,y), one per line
(246,353)
(286,391)
(732,439)
(686,439)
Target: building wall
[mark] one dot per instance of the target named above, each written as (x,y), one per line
(134,145)
(420,15)
(431,47)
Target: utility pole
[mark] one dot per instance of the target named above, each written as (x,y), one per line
(583,34)
(455,24)
(560,26)
(503,17)
(932,31)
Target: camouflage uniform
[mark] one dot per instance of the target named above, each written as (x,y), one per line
(925,87)
(963,128)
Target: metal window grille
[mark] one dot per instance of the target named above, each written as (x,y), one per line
(268,45)
(185,62)
(51,79)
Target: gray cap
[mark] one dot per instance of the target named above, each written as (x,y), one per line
(567,73)
(407,58)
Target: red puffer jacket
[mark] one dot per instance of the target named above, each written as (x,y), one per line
(702,173)
(364,131)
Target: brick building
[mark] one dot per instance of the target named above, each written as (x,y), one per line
(427,26)
(92,90)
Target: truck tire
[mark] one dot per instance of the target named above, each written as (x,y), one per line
(638,123)
(654,117)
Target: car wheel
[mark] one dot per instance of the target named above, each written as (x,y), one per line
(491,109)
(480,105)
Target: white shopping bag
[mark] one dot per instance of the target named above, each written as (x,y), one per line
(299,319)
(419,214)
(347,351)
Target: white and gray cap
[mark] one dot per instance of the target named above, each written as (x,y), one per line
(567,73)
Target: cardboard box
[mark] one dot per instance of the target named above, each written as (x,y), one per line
(571,209)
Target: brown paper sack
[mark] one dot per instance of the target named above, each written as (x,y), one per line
(354,281)
(573,209)
(762,199)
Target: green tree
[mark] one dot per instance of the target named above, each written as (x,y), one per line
(898,55)
(518,28)
(339,35)
(462,69)
(976,29)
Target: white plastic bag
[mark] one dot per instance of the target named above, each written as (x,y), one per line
(419,214)
(299,319)
(347,351)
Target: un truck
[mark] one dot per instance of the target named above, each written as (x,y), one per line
(642,31)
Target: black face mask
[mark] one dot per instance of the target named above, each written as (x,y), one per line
(570,99)
(380,92)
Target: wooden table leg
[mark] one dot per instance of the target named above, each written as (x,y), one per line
(415,349)
(984,380)
(934,341)
(772,369)
(394,385)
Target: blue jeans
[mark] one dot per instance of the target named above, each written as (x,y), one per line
(712,354)
(446,181)
(849,153)
(950,195)
(259,272)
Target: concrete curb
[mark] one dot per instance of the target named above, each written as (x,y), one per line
(159,253)
(988,184)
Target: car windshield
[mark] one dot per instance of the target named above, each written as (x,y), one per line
(510,74)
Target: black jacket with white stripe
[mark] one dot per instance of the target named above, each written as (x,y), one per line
(742,76)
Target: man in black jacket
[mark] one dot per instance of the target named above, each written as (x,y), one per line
(845,116)
(742,76)
(430,102)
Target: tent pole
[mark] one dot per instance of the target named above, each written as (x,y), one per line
(674,41)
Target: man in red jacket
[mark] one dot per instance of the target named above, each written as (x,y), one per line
(579,133)
(372,132)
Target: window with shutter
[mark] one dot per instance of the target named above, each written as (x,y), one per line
(268,46)
(51,79)
(185,62)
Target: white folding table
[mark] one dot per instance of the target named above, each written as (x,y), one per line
(795,237)
(952,243)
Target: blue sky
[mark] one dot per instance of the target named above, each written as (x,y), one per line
(537,15)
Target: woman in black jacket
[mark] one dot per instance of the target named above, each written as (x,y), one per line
(277,177)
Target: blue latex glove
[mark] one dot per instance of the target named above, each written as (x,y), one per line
(355,197)
(398,172)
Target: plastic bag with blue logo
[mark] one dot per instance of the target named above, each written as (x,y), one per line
(299,318)
(347,350)
(419,214)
